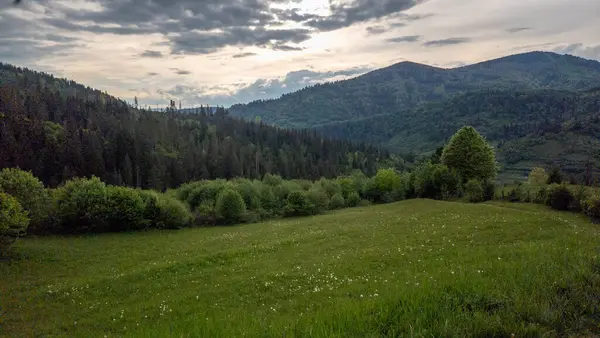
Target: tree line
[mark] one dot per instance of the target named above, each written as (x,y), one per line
(59,130)
(82,205)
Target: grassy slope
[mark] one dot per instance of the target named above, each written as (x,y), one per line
(416,267)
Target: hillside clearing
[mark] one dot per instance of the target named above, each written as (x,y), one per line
(417,267)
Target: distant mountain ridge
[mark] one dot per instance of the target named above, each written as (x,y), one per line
(408,84)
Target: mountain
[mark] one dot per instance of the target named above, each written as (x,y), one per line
(59,129)
(406,85)
(528,127)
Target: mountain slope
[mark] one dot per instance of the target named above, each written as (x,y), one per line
(405,85)
(531,127)
(59,130)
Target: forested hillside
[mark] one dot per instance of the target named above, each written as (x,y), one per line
(59,129)
(405,85)
(533,127)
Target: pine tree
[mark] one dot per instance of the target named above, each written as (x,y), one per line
(127,171)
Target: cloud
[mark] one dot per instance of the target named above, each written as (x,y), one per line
(375,30)
(579,49)
(243,55)
(190,43)
(259,89)
(407,38)
(152,54)
(446,42)
(194,27)
(181,71)
(518,29)
(23,41)
(346,14)
(285,48)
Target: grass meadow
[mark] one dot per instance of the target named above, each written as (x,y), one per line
(416,268)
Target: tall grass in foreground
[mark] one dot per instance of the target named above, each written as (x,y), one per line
(415,268)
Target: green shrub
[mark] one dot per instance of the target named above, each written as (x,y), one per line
(474,191)
(124,209)
(389,197)
(298,204)
(559,197)
(183,192)
(489,190)
(337,201)
(207,190)
(353,199)
(527,198)
(268,201)
(371,192)
(151,209)
(364,203)
(29,191)
(272,180)
(446,181)
(249,192)
(172,213)
(251,216)
(409,184)
(592,207)
(282,192)
(318,198)
(13,220)
(331,187)
(387,181)
(516,194)
(303,184)
(423,183)
(555,176)
(230,206)
(579,200)
(540,196)
(538,177)
(80,205)
(359,179)
(347,185)
(206,212)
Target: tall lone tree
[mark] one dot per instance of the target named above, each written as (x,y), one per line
(470,155)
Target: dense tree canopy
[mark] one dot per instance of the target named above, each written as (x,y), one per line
(402,86)
(60,130)
(470,155)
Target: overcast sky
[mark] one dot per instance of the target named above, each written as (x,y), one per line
(229,51)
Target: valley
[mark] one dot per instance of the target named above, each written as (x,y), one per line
(524,104)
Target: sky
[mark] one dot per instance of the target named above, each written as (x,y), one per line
(222,52)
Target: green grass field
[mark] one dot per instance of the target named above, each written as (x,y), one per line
(415,268)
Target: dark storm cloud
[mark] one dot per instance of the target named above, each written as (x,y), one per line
(152,54)
(446,42)
(518,29)
(407,38)
(243,55)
